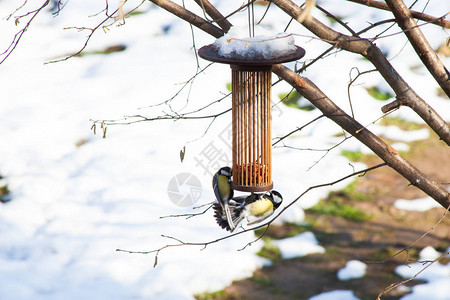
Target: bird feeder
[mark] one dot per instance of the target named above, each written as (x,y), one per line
(251,82)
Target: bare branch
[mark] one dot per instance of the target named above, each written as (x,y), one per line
(297,129)
(311,92)
(420,44)
(394,285)
(350,84)
(418,240)
(102,24)
(217,16)
(388,154)
(267,224)
(374,55)
(189,17)
(188,216)
(337,20)
(417,15)
(18,36)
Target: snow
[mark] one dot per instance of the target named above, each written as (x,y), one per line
(395,133)
(353,269)
(429,253)
(436,290)
(437,276)
(420,204)
(335,295)
(235,45)
(299,245)
(76,197)
(400,147)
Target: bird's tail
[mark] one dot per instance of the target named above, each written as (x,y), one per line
(231,220)
(226,207)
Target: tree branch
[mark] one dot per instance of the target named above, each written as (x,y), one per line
(311,92)
(394,285)
(18,36)
(215,14)
(388,154)
(417,15)
(420,44)
(189,17)
(370,51)
(205,244)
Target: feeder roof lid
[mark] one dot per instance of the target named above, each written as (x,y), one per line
(260,50)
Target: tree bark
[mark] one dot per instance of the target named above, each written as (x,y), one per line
(215,14)
(189,17)
(420,44)
(388,154)
(405,94)
(311,92)
(440,21)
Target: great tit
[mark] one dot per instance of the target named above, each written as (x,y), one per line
(255,208)
(224,193)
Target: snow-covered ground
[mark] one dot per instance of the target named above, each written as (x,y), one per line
(353,269)
(76,197)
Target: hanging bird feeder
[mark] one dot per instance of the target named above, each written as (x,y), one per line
(251,80)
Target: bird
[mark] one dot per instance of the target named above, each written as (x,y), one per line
(224,192)
(255,208)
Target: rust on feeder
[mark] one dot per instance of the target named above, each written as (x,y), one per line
(251,81)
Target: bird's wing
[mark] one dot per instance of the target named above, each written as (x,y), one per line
(235,217)
(238,200)
(252,198)
(226,207)
(221,218)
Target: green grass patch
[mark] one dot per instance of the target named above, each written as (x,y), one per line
(281,232)
(335,206)
(391,252)
(108,50)
(211,296)
(353,155)
(295,100)
(400,123)
(350,192)
(4,194)
(136,13)
(378,94)
(270,251)
(262,281)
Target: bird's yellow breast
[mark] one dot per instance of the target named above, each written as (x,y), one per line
(224,186)
(261,207)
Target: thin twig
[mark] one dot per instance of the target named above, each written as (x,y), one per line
(440,21)
(297,129)
(18,36)
(394,285)
(188,216)
(205,244)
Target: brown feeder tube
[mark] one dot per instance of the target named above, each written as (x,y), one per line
(251,81)
(251,112)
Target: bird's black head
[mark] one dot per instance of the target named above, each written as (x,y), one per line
(225,171)
(276,198)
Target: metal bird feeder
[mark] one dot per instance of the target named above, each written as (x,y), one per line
(251,81)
